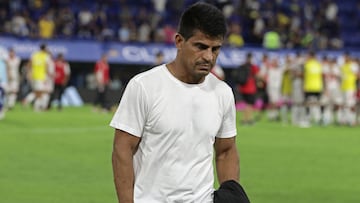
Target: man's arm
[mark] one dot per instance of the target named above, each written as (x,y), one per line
(227,159)
(125,146)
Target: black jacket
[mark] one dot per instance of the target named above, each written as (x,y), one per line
(230,192)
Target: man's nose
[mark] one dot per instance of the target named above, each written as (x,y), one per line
(208,55)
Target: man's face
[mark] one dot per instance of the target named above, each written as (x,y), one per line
(198,55)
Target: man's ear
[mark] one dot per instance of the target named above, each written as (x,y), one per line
(179,40)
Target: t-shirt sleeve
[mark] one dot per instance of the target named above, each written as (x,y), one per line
(131,113)
(228,126)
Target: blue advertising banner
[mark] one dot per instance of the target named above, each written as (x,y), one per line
(81,51)
(140,54)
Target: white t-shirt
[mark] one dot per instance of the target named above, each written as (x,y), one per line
(177,123)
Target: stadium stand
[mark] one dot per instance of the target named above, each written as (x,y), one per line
(329,24)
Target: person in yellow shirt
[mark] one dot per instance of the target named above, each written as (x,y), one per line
(40,62)
(272,40)
(235,38)
(46,26)
(313,87)
(349,75)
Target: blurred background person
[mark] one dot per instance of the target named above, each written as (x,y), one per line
(13,63)
(286,90)
(313,88)
(46,25)
(102,77)
(272,40)
(331,99)
(248,90)
(235,38)
(61,78)
(159,58)
(358,94)
(297,95)
(25,82)
(273,88)
(261,85)
(3,86)
(40,61)
(218,71)
(349,74)
(49,82)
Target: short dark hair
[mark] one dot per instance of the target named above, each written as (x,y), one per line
(60,55)
(249,55)
(311,53)
(203,17)
(43,46)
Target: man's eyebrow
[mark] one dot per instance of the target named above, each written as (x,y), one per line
(202,44)
(207,46)
(217,47)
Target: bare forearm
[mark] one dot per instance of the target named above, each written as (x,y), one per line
(228,165)
(123,176)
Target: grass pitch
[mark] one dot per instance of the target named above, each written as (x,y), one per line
(57,157)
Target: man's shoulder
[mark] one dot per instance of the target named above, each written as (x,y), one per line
(149,75)
(220,86)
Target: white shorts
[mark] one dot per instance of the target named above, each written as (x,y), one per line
(286,99)
(297,96)
(49,86)
(332,97)
(274,95)
(349,98)
(13,86)
(38,85)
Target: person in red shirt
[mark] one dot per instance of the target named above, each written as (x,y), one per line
(61,78)
(248,90)
(102,77)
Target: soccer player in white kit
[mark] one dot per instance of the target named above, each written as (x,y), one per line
(274,80)
(172,117)
(331,98)
(13,63)
(297,97)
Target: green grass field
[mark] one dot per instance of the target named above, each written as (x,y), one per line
(58,157)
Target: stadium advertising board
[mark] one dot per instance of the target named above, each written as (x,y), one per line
(140,54)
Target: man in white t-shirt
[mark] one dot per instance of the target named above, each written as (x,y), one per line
(172,117)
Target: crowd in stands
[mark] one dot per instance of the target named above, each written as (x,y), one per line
(271,23)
